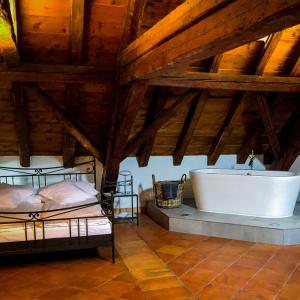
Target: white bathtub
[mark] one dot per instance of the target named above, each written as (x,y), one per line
(267,194)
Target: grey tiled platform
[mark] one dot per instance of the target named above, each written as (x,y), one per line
(187,219)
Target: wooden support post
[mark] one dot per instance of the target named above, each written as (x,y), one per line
(21,122)
(156,106)
(33,90)
(162,118)
(73,90)
(124,120)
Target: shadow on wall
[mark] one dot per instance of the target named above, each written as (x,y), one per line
(148,194)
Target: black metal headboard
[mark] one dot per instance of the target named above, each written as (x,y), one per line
(39,177)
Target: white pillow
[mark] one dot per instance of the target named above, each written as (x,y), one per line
(65,192)
(86,187)
(12,195)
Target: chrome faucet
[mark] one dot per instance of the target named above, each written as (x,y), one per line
(251,161)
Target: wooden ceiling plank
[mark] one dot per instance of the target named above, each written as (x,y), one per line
(268,124)
(8,37)
(226,129)
(156,106)
(162,118)
(72,90)
(205,80)
(124,121)
(238,23)
(21,123)
(33,90)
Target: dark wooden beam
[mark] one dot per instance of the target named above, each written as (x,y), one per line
(189,126)
(256,131)
(162,118)
(33,90)
(76,77)
(137,18)
(72,89)
(226,129)
(290,141)
(72,107)
(8,36)
(193,117)
(124,121)
(204,80)
(296,69)
(237,23)
(268,124)
(21,122)
(76,31)
(156,106)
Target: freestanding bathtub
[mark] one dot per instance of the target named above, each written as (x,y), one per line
(267,194)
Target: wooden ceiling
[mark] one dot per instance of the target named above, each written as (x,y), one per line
(120,78)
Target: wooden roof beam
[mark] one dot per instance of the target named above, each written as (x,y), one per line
(21,123)
(137,18)
(228,27)
(33,90)
(204,80)
(124,120)
(162,118)
(268,124)
(72,89)
(226,129)
(8,35)
(290,143)
(193,117)
(156,106)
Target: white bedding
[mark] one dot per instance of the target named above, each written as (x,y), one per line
(60,228)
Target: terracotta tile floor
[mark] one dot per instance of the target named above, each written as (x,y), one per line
(156,264)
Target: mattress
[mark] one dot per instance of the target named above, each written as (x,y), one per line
(91,221)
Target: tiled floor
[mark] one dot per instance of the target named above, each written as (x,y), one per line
(156,264)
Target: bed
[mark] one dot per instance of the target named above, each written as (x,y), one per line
(40,224)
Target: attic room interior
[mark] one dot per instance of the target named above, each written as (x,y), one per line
(149,149)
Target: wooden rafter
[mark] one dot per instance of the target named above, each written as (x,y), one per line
(73,90)
(204,80)
(296,69)
(156,106)
(21,122)
(8,36)
(124,121)
(176,21)
(162,118)
(268,124)
(226,129)
(290,141)
(137,18)
(228,27)
(193,117)
(35,91)
(254,135)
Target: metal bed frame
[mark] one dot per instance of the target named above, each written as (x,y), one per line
(38,177)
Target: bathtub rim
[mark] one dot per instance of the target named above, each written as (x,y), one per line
(292,174)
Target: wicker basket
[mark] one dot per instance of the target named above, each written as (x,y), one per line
(159,195)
